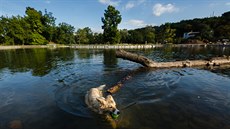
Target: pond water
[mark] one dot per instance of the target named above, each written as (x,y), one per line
(44,89)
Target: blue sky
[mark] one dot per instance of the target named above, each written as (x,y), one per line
(135,13)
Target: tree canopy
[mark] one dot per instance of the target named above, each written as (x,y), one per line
(34,28)
(211,29)
(110,21)
(38,28)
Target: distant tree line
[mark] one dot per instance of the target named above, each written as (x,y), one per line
(209,29)
(37,28)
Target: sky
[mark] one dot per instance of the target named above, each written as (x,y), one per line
(135,13)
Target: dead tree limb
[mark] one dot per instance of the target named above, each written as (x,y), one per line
(135,58)
(129,76)
(117,86)
(216,61)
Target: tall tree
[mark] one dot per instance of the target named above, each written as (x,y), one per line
(149,33)
(136,36)
(97,38)
(84,36)
(110,21)
(124,35)
(64,34)
(169,33)
(166,34)
(48,22)
(17,32)
(33,18)
(4,29)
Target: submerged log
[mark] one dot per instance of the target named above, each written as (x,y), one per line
(216,61)
(117,86)
(129,76)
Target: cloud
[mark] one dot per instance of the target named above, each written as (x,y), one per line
(159,9)
(47,2)
(213,5)
(228,4)
(110,2)
(132,4)
(136,23)
(129,5)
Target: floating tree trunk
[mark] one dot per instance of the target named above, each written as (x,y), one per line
(216,61)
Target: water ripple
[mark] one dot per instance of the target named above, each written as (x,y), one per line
(70,103)
(6,97)
(70,98)
(151,86)
(159,84)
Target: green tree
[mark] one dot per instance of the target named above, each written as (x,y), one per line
(166,34)
(124,36)
(226,16)
(149,34)
(110,21)
(13,30)
(16,30)
(223,32)
(206,32)
(4,29)
(141,35)
(48,22)
(33,18)
(97,38)
(169,33)
(84,36)
(64,34)
(136,36)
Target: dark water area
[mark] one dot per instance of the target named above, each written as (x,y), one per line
(44,89)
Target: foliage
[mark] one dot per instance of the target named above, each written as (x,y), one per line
(142,35)
(136,36)
(124,35)
(37,39)
(33,17)
(64,34)
(167,34)
(84,36)
(149,33)
(210,29)
(48,22)
(34,29)
(97,38)
(110,21)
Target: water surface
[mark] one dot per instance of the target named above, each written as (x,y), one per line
(44,89)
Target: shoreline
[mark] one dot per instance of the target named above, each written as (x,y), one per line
(102,46)
(31,46)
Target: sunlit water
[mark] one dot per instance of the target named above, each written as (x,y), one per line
(45,89)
